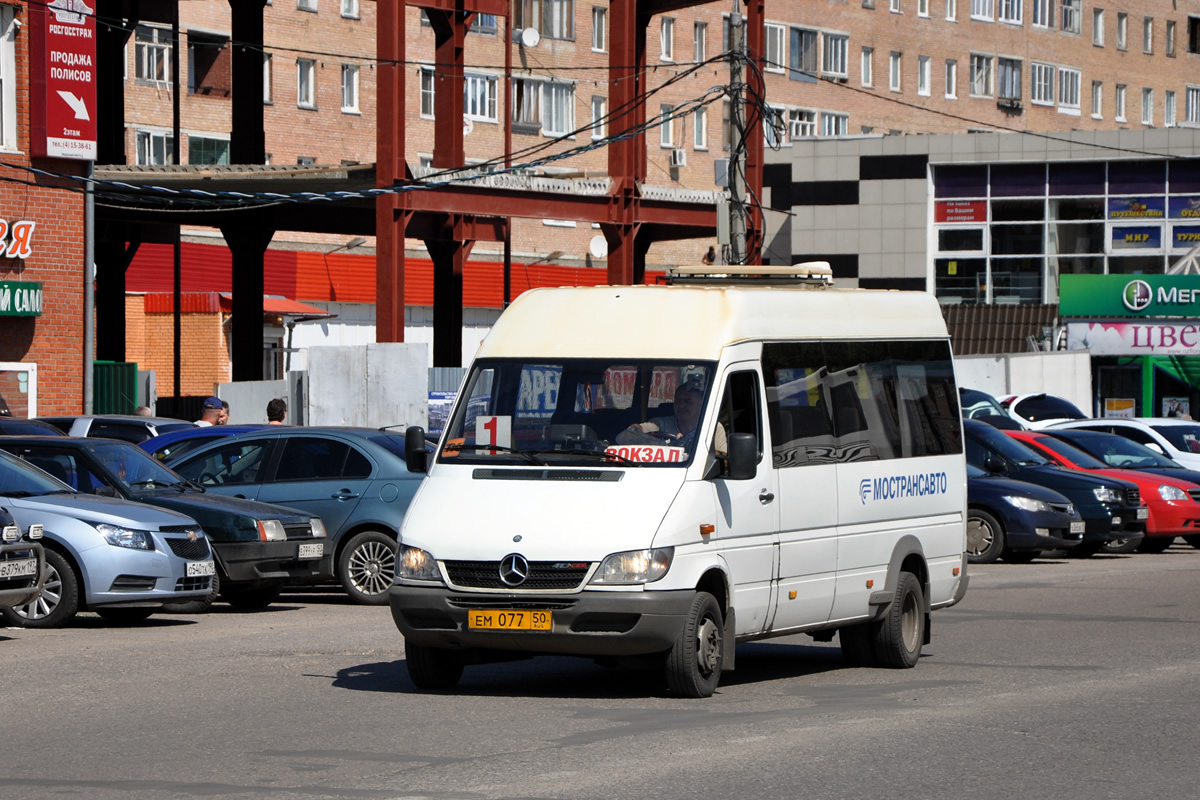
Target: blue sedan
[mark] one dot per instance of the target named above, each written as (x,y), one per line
(354,479)
(174,444)
(1016,520)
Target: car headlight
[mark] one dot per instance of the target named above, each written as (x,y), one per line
(1168,492)
(415,564)
(271,530)
(1028,503)
(318,528)
(118,536)
(634,566)
(1106,495)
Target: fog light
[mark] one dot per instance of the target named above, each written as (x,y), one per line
(11,533)
(1116,521)
(35,531)
(1042,531)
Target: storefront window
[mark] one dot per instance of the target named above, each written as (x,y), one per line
(1074,179)
(1018,210)
(961,181)
(1135,177)
(1077,208)
(961,280)
(956,239)
(1012,240)
(1017,280)
(1135,265)
(1019,180)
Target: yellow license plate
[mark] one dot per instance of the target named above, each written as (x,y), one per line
(489,619)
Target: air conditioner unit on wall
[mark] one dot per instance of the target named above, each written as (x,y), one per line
(679,158)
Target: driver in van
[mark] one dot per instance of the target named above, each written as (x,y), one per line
(678,428)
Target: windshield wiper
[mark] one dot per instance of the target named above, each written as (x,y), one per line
(528,455)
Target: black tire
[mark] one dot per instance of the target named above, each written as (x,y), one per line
(1020,556)
(1122,546)
(431,668)
(252,597)
(693,664)
(985,537)
(59,601)
(366,566)
(125,616)
(857,648)
(197,606)
(1193,539)
(1155,544)
(901,632)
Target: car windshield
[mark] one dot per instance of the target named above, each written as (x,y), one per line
(1117,451)
(579,412)
(977,404)
(1006,446)
(1181,437)
(132,467)
(1044,406)
(18,479)
(1071,453)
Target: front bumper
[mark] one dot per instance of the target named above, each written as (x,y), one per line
(589,623)
(258,562)
(1103,525)
(1057,532)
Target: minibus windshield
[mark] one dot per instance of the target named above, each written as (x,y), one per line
(580,412)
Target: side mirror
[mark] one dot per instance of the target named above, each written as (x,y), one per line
(994,463)
(414,449)
(743,457)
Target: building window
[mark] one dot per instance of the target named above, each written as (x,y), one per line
(207,150)
(1122,29)
(1193,45)
(1119,103)
(427,93)
(981,75)
(1010,11)
(726,128)
(868,55)
(894,72)
(834,124)
(350,8)
(152,54)
(349,88)
(599,112)
(951,10)
(666,133)
(833,60)
(699,43)
(155,148)
(1098,27)
(1072,16)
(922,8)
(802,123)
(1008,79)
(208,67)
(923,75)
(484,24)
(311,161)
(981,9)
(307,5)
(526,105)
(804,54)
(666,39)
(1041,91)
(480,97)
(1169,109)
(1147,106)
(1170,38)
(1068,90)
(554,19)
(306,80)
(1148,35)
(599,24)
(894,6)
(700,129)
(8,83)
(268,71)
(1097,100)
(951,79)
(1043,13)
(559,118)
(1191,104)
(776,56)
(773,130)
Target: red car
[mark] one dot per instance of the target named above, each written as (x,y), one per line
(1172,510)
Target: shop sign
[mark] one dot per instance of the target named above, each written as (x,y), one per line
(20,299)
(960,211)
(1136,208)
(62,78)
(1185,208)
(1129,295)
(18,245)
(1134,338)
(1119,407)
(1142,237)
(1185,237)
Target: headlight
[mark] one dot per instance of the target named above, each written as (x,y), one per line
(125,537)
(1106,495)
(1167,492)
(635,566)
(415,564)
(318,528)
(1028,503)
(271,530)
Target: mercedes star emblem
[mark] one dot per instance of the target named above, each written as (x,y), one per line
(514,569)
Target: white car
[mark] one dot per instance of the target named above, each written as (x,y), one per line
(1177,439)
(1040,410)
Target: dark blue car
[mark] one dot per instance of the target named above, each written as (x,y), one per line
(1015,520)
(173,445)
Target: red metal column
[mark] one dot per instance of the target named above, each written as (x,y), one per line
(390,217)
(626,157)
(755,138)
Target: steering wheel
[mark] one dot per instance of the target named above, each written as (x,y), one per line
(207,478)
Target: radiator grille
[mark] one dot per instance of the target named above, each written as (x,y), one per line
(299,530)
(544,575)
(186,548)
(196,584)
(1133,497)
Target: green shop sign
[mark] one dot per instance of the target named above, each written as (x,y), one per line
(20,299)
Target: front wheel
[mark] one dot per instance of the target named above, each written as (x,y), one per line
(985,537)
(901,632)
(1155,544)
(694,662)
(58,602)
(366,567)
(431,668)
(125,616)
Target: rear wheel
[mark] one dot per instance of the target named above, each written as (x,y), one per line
(125,616)
(693,665)
(1155,544)
(901,632)
(58,602)
(366,567)
(432,668)
(1122,546)
(253,597)
(985,537)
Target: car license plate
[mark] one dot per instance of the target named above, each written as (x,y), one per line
(1078,527)
(17,569)
(196,569)
(488,619)
(1143,513)
(312,550)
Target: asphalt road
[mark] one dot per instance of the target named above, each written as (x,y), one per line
(1057,679)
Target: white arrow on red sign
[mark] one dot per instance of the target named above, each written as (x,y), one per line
(77,104)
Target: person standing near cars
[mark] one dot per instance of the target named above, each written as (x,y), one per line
(223,418)
(276,411)
(210,412)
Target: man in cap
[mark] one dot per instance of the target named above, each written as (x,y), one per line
(210,412)
(678,428)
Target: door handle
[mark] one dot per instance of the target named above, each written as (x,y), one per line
(344,494)
(765,497)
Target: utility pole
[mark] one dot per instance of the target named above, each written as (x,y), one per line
(737,132)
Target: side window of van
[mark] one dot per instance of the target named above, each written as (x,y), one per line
(740,411)
(862,395)
(797,405)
